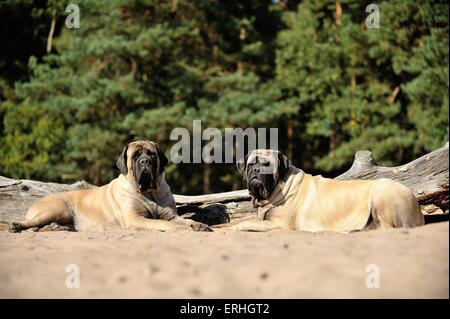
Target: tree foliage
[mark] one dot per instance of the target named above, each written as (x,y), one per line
(137,69)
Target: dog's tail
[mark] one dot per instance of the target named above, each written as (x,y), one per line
(213,214)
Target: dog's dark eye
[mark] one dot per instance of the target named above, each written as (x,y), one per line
(266,164)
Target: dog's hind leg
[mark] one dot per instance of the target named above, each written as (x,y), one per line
(57,227)
(394,205)
(43,213)
(39,222)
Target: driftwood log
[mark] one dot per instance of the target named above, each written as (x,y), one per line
(427,177)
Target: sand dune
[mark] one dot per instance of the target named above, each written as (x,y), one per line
(412,263)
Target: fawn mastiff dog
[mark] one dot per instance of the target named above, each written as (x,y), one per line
(288,198)
(138,199)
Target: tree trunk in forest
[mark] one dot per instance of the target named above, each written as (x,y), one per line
(174,6)
(290,141)
(50,33)
(206,178)
(338,13)
(394,94)
(353,82)
(333,136)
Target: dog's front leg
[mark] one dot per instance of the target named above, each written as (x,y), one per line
(135,221)
(170,214)
(191,223)
(256,225)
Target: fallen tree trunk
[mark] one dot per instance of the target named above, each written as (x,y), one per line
(427,177)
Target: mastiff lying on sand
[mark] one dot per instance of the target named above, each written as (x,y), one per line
(288,198)
(138,199)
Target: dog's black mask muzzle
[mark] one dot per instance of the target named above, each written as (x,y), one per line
(145,173)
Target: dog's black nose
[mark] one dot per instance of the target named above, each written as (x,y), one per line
(144,161)
(255,170)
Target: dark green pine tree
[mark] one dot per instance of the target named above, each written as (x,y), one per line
(136,70)
(353,87)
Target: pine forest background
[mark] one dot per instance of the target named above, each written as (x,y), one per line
(71,98)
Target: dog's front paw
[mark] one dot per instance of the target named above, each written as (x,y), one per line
(200,227)
(15,228)
(243,226)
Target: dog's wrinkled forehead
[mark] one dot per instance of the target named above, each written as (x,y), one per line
(268,157)
(141,145)
(258,154)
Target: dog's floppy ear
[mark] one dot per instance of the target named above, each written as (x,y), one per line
(284,164)
(163,160)
(241,164)
(122,161)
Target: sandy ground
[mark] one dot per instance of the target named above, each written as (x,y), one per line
(412,263)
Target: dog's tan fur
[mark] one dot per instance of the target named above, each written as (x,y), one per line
(119,203)
(313,203)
